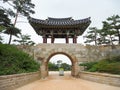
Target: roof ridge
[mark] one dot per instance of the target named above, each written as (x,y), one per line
(68,18)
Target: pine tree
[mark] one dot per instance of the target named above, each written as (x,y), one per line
(114,22)
(107,34)
(25,40)
(92,35)
(21,7)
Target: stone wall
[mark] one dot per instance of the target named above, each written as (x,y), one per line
(82,53)
(10,82)
(94,53)
(77,53)
(103,78)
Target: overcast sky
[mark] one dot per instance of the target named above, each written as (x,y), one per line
(98,10)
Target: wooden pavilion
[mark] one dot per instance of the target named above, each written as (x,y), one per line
(59,28)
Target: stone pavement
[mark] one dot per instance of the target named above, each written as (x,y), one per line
(66,82)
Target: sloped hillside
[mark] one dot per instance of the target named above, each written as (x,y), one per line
(14,61)
(107,65)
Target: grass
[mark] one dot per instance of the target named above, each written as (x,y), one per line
(107,65)
(15,61)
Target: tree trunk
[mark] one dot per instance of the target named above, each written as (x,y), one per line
(95,38)
(16,16)
(111,43)
(95,42)
(10,39)
(118,36)
(119,39)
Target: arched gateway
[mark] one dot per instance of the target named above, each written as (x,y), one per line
(59,28)
(68,54)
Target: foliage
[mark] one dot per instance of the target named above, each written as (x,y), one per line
(5,24)
(91,35)
(14,61)
(88,65)
(4,20)
(25,40)
(55,67)
(114,22)
(61,69)
(21,7)
(52,66)
(1,28)
(109,34)
(66,66)
(1,39)
(108,65)
(12,30)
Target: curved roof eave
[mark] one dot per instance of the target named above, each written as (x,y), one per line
(59,22)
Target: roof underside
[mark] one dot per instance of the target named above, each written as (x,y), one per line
(59,24)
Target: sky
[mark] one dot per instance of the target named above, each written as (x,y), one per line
(98,10)
(61,57)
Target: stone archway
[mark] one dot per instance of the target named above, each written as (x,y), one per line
(44,63)
(70,58)
(75,52)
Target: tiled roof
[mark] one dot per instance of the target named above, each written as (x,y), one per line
(59,21)
(59,25)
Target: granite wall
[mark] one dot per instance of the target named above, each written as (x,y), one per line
(10,82)
(103,78)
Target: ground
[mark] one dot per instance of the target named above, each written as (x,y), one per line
(66,82)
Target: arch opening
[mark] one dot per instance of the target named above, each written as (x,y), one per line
(44,63)
(61,57)
(59,61)
(71,59)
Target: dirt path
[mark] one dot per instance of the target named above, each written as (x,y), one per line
(56,82)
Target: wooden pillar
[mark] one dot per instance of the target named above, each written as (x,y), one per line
(44,39)
(67,39)
(52,39)
(75,39)
(67,36)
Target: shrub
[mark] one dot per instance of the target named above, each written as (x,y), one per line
(52,67)
(88,65)
(61,69)
(14,61)
(108,65)
(114,59)
(113,68)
